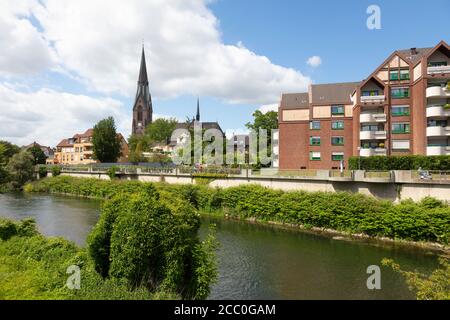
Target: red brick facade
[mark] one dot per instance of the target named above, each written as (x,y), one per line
(386,114)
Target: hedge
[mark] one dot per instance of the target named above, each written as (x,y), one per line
(428,220)
(412,162)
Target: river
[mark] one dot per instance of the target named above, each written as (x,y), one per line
(255,261)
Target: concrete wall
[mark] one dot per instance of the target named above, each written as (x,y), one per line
(402,189)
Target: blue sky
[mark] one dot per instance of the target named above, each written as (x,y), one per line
(97,66)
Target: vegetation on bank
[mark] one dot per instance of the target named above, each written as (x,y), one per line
(426,287)
(410,162)
(144,246)
(428,220)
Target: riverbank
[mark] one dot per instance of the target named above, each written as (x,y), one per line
(434,247)
(34,267)
(424,224)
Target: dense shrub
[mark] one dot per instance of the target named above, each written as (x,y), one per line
(34,267)
(428,220)
(56,171)
(24,228)
(151,241)
(42,171)
(410,162)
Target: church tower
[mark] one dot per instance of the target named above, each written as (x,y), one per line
(142,109)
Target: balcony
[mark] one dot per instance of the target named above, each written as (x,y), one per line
(439,70)
(437,92)
(438,131)
(372,117)
(438,111)
(369,152)
(372,135)
(372,100)
(438,151)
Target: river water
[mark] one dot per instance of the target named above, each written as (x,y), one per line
(255,261)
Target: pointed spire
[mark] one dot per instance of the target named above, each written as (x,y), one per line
(197,117)
(143,79)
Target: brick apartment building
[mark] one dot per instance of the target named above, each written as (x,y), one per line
(402,108)
(80,150)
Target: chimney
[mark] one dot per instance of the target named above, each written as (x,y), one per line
(413,51)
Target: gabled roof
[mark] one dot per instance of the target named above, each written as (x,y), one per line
(372,77)
(413,56)
(332,92)
(64,143)
(294,100)
(439,46)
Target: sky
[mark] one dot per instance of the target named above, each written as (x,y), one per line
(64,65)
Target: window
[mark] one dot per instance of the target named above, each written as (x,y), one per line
(337,141)
(314,125)
(372,127)
(436,123)
(337,156)
(398,111)
(366,93)
(400,93)
(400,128)
(315,156)
(337,110)
(393,75)
(400,145)
(404,74)
(337,125)
(314,141)
(437,64)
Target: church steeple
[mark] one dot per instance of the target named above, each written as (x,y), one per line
(143,79)
(197,117)
(142,109)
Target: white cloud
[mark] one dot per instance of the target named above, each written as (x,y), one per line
(314,61)
(268,107)
(24,51)
(99,42)
(47,116)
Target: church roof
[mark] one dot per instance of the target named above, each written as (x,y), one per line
(143,78)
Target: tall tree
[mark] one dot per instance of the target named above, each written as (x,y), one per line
(21,168)
(267,121)
(7,150)
(160,130)
(38,155)
(107,145)
(261,120)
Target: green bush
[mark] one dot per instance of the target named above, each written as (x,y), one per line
(56,171)
(42,171)
(34,267)
(411,162)
(24,228)
(111,172)
(151,241)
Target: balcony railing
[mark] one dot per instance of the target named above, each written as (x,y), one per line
(438,110)
(437,92)
(372,135)
(372,117)
(369,152)
(438,131)
(439,70)
(438,150)
(373,99)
